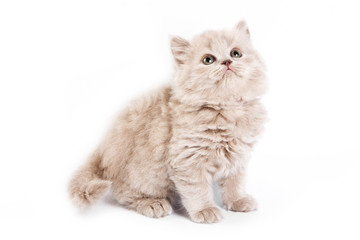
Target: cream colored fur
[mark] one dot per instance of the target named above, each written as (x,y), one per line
(182,137)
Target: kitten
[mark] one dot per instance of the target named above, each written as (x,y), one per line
(179,139)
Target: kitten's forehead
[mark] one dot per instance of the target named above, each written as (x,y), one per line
(215,40)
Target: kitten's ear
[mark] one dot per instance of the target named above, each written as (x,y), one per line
(179,49)
(242,28)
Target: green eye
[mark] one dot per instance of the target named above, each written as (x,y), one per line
(208,59)
(235,53)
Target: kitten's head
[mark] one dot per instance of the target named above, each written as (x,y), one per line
(218,66)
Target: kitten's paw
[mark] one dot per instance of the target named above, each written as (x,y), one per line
(154,207)
(244,204)
(208,215)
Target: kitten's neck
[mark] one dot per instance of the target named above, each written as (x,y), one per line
(191,103)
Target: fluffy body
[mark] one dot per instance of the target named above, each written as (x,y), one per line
(181,138)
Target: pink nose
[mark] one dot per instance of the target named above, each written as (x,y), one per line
(227,62)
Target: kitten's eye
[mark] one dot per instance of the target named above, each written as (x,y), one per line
(208,59)
(235,53)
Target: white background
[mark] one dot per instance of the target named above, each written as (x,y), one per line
(67,68)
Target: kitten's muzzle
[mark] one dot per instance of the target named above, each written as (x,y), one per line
(227,63)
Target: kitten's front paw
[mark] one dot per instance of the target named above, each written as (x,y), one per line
(208,215)
(244,204)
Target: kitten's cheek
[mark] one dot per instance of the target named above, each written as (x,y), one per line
(214,76)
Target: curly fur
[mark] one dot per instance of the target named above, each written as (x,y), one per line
(182,137)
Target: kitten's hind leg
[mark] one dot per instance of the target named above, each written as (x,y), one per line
(149,206)
(152,207)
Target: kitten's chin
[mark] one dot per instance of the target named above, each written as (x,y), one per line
(234,86)
(227,78)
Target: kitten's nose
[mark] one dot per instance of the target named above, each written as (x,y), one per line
(227,62)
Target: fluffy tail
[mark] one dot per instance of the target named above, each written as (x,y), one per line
(87,185)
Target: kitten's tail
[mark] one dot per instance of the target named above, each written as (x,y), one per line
(87,185)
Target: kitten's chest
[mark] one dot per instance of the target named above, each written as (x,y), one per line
(241,123)
(220,138)
(231,134)
(226,125)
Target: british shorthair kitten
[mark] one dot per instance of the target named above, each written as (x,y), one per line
(183,137)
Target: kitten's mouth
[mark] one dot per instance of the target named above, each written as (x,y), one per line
(229,70)
(230,73)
